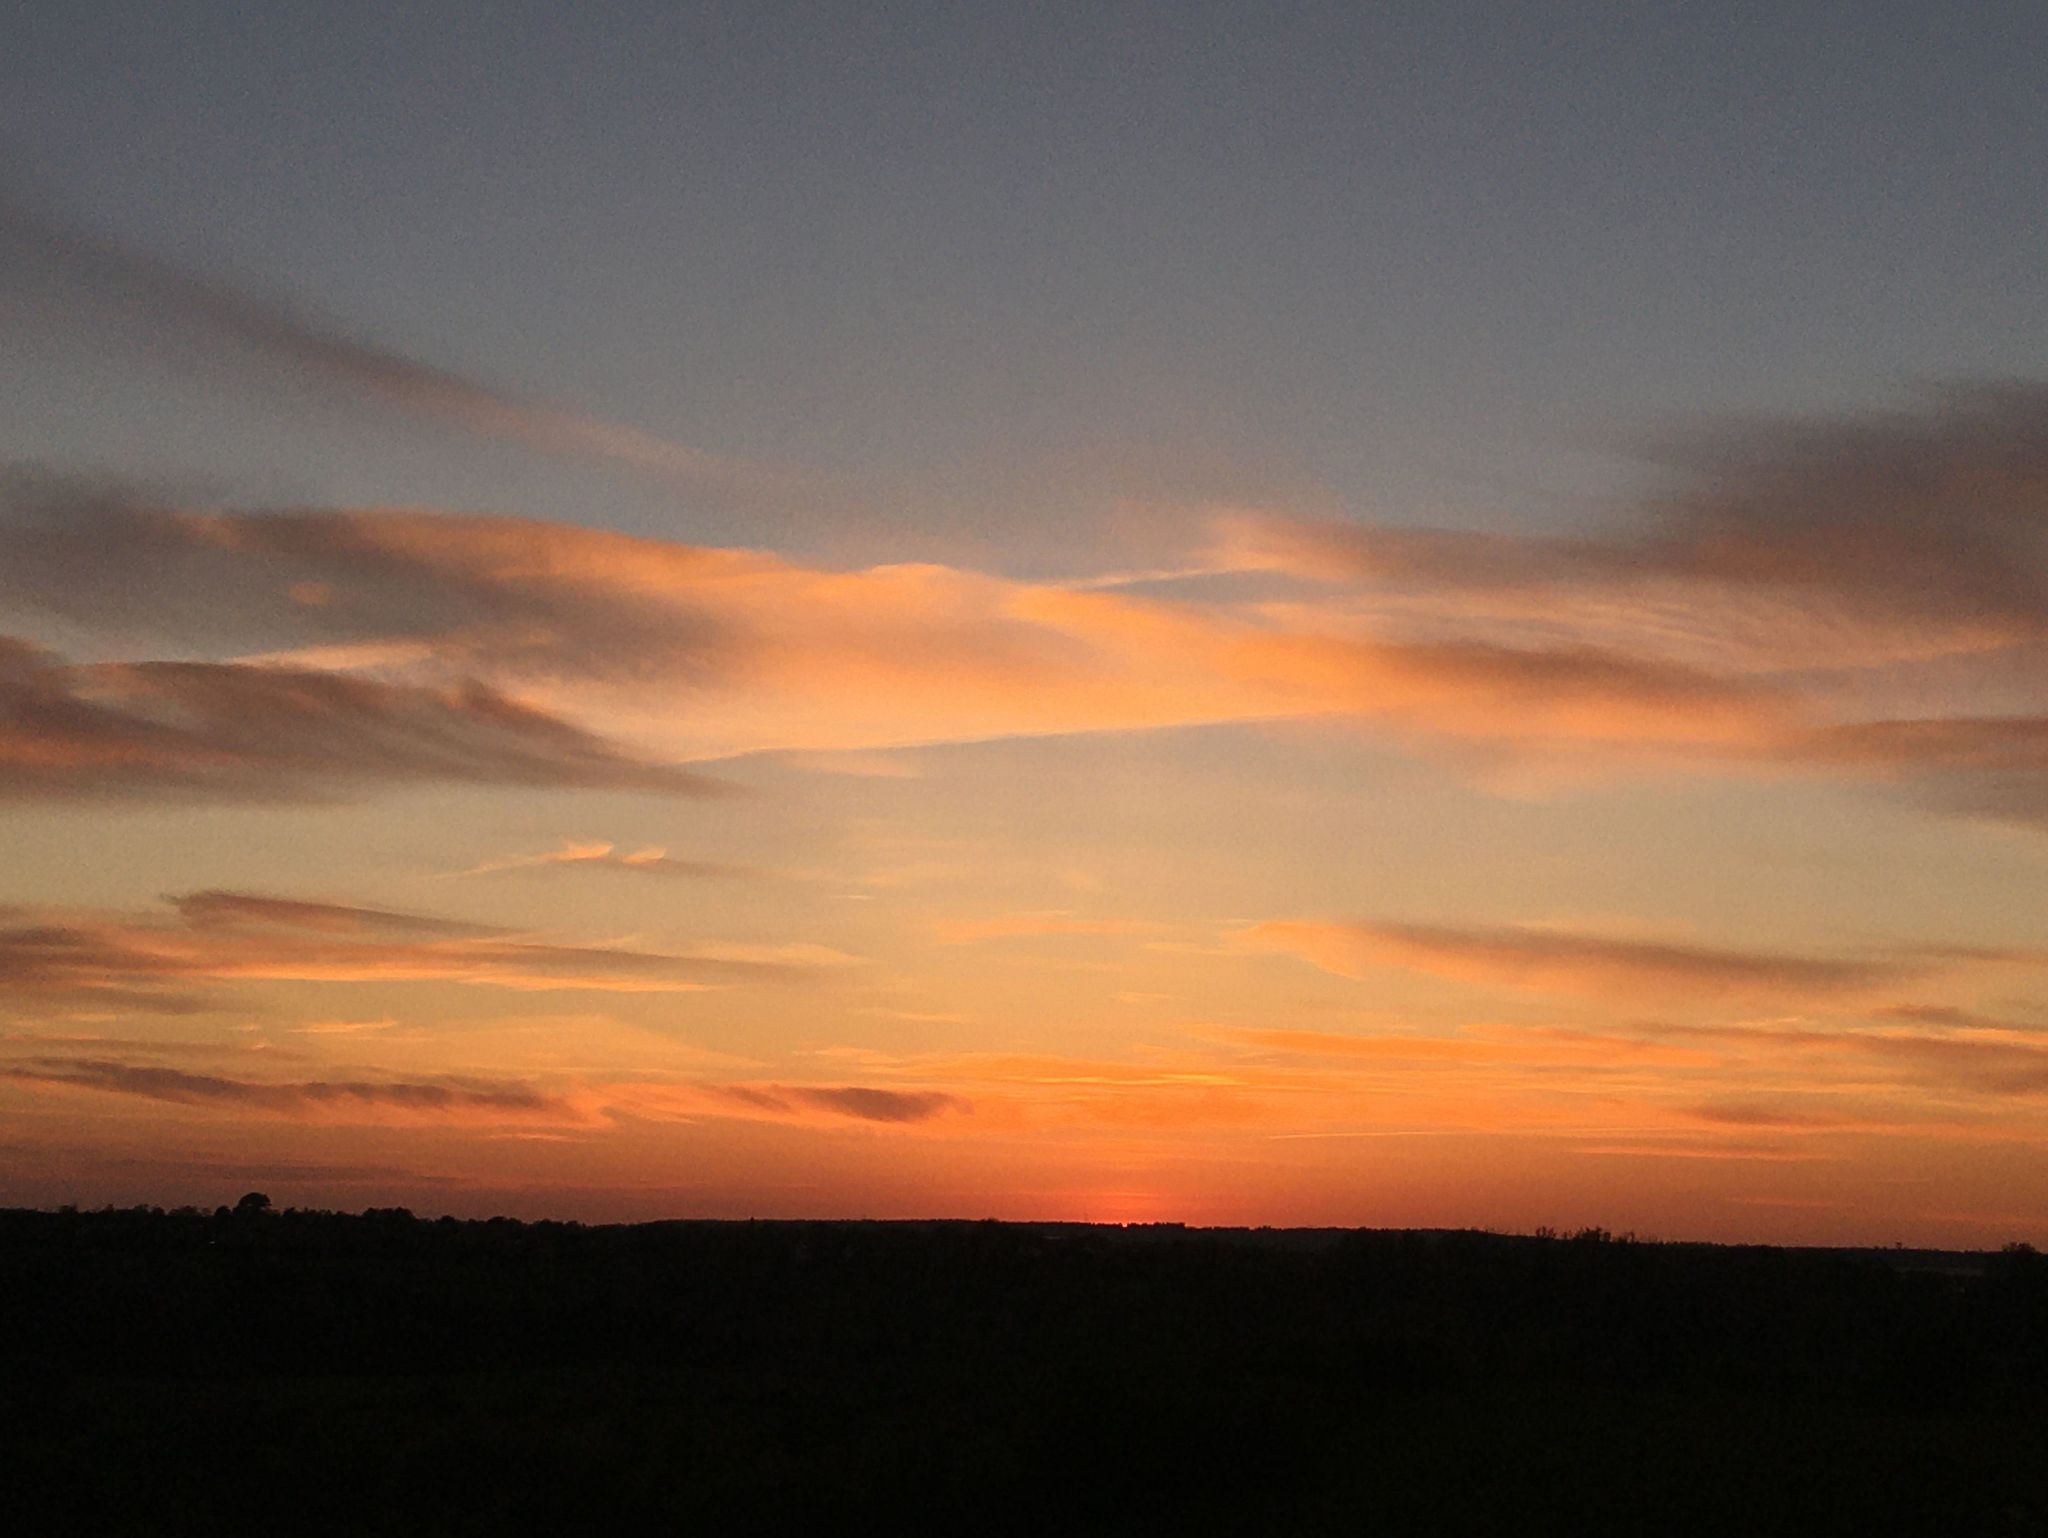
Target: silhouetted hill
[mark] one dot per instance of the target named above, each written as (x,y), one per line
(319,1372)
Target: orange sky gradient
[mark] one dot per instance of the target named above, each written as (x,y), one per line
(490,863)
(787,662)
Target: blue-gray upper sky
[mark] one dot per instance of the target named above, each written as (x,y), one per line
(986,268)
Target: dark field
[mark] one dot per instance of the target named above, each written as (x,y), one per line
(314,1372)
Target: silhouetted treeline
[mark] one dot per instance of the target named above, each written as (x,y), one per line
(322,1372)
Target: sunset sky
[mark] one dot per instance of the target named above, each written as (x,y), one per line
(1296,614)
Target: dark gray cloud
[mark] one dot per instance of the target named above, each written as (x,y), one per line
(860,1102)
(1991,767)
(1992,1067)
(136,566)
(172,306)
(90,966)
(243,732)
(1957,1019)
(1746,1113)
(1944,506)
(1891,565)
(451,1098)
(891,1105)
(433,1099)
(1937,510)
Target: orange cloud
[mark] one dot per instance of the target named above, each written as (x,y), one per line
(646,861)
(692,653)
(1780,601)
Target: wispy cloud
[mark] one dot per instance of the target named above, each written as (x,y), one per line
(649,860)
(386,1099)
(227,731)
(352,1100)
(172,304)
(224,938)
(1992,767)
(770,655)
(1962,1052)
(210,909)
(345,1027)
(860,1102)
(1880,522)
(1886,571)
(1555,961)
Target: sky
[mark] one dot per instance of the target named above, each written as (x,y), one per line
(1283,614)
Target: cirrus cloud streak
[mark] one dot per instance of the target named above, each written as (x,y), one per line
(1557,961)
(231,731)
(226,938)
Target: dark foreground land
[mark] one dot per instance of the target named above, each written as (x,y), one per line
(320,1373)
